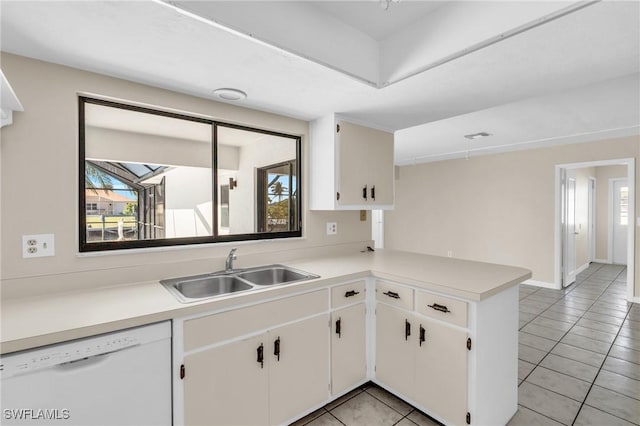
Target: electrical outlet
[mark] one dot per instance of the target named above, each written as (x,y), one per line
(332,228)
(38,245)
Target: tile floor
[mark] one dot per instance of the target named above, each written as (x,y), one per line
(579,362)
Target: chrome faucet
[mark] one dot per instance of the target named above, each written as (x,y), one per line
(228,266)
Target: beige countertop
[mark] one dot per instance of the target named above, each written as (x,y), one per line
(38,321)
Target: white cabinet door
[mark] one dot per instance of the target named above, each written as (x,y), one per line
(351,168)
(348,348)
(395,354)
(220,384)
(298,368)
(441,369)
(365,166)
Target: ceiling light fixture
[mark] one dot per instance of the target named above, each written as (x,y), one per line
(229,94)
(479,135)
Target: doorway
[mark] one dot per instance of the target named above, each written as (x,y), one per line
(619,220)
(576,231)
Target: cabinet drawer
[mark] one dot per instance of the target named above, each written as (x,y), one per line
(226,325)
(394,294)
(443,308)
(348,293)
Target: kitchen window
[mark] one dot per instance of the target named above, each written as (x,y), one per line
(153,178)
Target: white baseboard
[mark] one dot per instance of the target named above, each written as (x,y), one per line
(542,284)
(602,261)
(582,268)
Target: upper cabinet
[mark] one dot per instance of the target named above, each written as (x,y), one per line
(9,102)
(351,166)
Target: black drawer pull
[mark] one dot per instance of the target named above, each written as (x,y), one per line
(260,351)
(392,294)
(373,192)
(441,308)
(422,335)
(351,293)
(364,192)
(339,327)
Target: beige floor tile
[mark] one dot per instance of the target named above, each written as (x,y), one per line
(364,409)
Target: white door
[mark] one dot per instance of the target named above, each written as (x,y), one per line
(620,221)
(569,228)
(591,226)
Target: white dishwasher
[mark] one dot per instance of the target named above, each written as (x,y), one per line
(120,378)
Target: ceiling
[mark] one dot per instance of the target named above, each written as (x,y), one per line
(529,73)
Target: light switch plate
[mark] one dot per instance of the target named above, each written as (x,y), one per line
(40,245)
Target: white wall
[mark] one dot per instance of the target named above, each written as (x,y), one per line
(44,140)
(493,208)
(188,205)
(242,220)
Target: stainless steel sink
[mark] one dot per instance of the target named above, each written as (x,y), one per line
(190,289)
(275,274)
(198,287)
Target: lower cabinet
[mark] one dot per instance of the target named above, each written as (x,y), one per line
(299,375)
(348,348)
(220,384)
(441,369)
(273,374)
(395,352)
(271,362)
(424,360)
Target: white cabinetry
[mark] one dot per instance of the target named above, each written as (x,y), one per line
(348,337)
(279,371)
(453,359)
(9,101)
(422,359)
(351,166)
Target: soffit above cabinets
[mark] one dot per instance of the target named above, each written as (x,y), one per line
(430,71)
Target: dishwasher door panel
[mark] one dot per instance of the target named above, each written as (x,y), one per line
(130,386)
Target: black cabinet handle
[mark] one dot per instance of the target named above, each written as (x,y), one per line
(338,327)
(407,329)
(422,335)
(351,293)
(276,348)
(441,308)
(364,192)
(261,355)
(392,294)
(373,192)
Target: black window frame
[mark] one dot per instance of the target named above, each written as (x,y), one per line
(85,246)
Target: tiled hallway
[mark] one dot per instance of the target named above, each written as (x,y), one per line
(579,362)
(580,352)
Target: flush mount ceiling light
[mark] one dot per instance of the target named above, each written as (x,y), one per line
(229,94)
(478,135)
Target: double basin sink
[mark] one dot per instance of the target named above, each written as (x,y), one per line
(199,287)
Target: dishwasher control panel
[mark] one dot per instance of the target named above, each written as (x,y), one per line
(68,352)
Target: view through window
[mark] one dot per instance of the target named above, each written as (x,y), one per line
(154,178)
